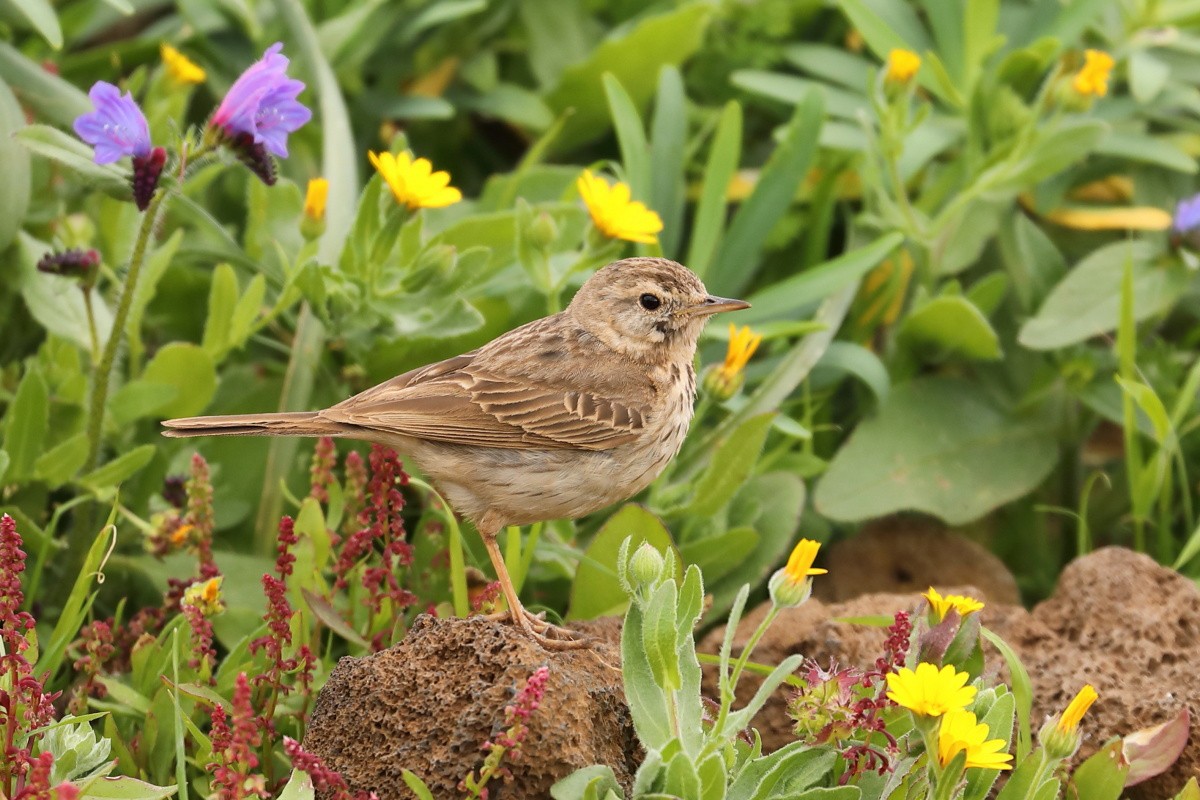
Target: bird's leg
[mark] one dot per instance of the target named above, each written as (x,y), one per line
(552,637)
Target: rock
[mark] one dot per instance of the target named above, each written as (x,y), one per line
(1117,620)
(910,553)
(429,703)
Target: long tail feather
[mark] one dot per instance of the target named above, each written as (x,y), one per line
(298,423)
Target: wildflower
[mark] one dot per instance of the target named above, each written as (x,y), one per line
(1185,225)
(941,606)
(328,782)
(234,759)
(206,596)
(314,199)
(929,691)
(200,515)
(725,380)
(792,585)
(959,731)
(181,68)
(1092,78)
(96,641)
(83,265)
(118,128)
(413,182)
(508,741)
(614,214)
(354,490)
(321,470)
(1075,710)
(1060,735)
(902,65)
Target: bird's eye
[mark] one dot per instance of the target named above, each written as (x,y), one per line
(650,301)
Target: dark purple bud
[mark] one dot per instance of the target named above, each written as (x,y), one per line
(254,155)
(75,263)
(174,491)
(146,172)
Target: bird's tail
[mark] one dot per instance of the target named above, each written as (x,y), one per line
(298,423)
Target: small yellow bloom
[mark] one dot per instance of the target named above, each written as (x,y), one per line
(902,65)
(180,535)
(413,182)
(205,596)
(930,691)
(614,213)
(1069,720)
(791,586)
(941,605)
(959,730)
(181,68)
(800,562)
(314,199)
(1092,79)
(742,344)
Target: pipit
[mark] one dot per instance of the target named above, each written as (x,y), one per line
(555,419)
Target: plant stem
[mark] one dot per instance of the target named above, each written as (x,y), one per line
(91,317)
(740,664)
(103,374)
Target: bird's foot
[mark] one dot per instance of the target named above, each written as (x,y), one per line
(548,635)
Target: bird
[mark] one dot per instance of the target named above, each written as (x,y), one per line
(558,418)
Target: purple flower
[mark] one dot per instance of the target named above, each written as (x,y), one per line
(262,104)
(1186,225)
(116,128)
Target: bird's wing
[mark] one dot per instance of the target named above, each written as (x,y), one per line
(459,402)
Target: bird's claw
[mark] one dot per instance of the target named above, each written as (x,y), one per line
(548,635)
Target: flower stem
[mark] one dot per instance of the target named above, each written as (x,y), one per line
(91,318)
(103,374)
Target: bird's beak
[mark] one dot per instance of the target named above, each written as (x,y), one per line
(715,305)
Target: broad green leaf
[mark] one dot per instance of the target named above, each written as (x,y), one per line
(951,326)
(190,370)
(631,137)
(843,105)
(53,99)
(999,719)
(860,362)
(559,31)
(668,152)
(586,783)
(595,591)
(718,554)
(1087,301)
(797,763)
(139,399)
(648,703)
(887,25)
(1151,405)
(728,466)
(832,63)
(938,445)
(222,297)
(56,302)
(300,787)
(120,468)
(634,57)
(1147,150)
(41,15)
(76,156)
(709,220)
(124,787)
(741,249)
(1147,75)
(27,419)
(1068,144)
(680,778)
(658,636)
(14,166)
(59,464)
(1102,776)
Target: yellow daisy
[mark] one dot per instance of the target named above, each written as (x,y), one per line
(315,198)
(413,182)
(181,68)
(902,65)
(1070,718)
(959,602)
(742,344)
(959,730)
(929,691)
(614,213)
(1092,78)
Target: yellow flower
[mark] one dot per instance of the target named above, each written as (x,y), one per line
(314,199)
(791,586)
(1092,79)
(181,68)
(800,562)
(742,344)
(902,65)
(614,213)
(413,182)
(941,605)
(959,730)
(205,596)
(181,534)
(929,691)
(1069,720)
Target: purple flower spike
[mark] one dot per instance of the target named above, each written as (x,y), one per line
(116,128)
(262,104)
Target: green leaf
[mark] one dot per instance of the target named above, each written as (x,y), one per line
(668,152)
(189,369)
(41,15)
(798,291)
(147,286)
(740,252)
(14,166)
(631,137)
(718,554)
(999,719)
(658,636)
(139,399)
(27,420)
(729,465)
(222,297)
(56,302)
(940,446)
(1055,151)
(1147,75)
(722,164)
(1087,301)
(51,98)
(886,25)
(648,703)
(78,602)
(595,591)
(60,463)
(1102,776)
(1152,406)
(300,787)
(4,461)
(856,360)
(120,469)
(1022,691)
(634,57)
(586,783)
(951,326)
(124,787)
(76,156)
(1146,150)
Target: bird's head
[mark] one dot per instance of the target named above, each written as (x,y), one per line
(650,309)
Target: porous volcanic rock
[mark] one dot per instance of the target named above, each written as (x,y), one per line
(909,553)
(1117,620)
(428,704)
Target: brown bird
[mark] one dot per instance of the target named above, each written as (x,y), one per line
(555,419)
